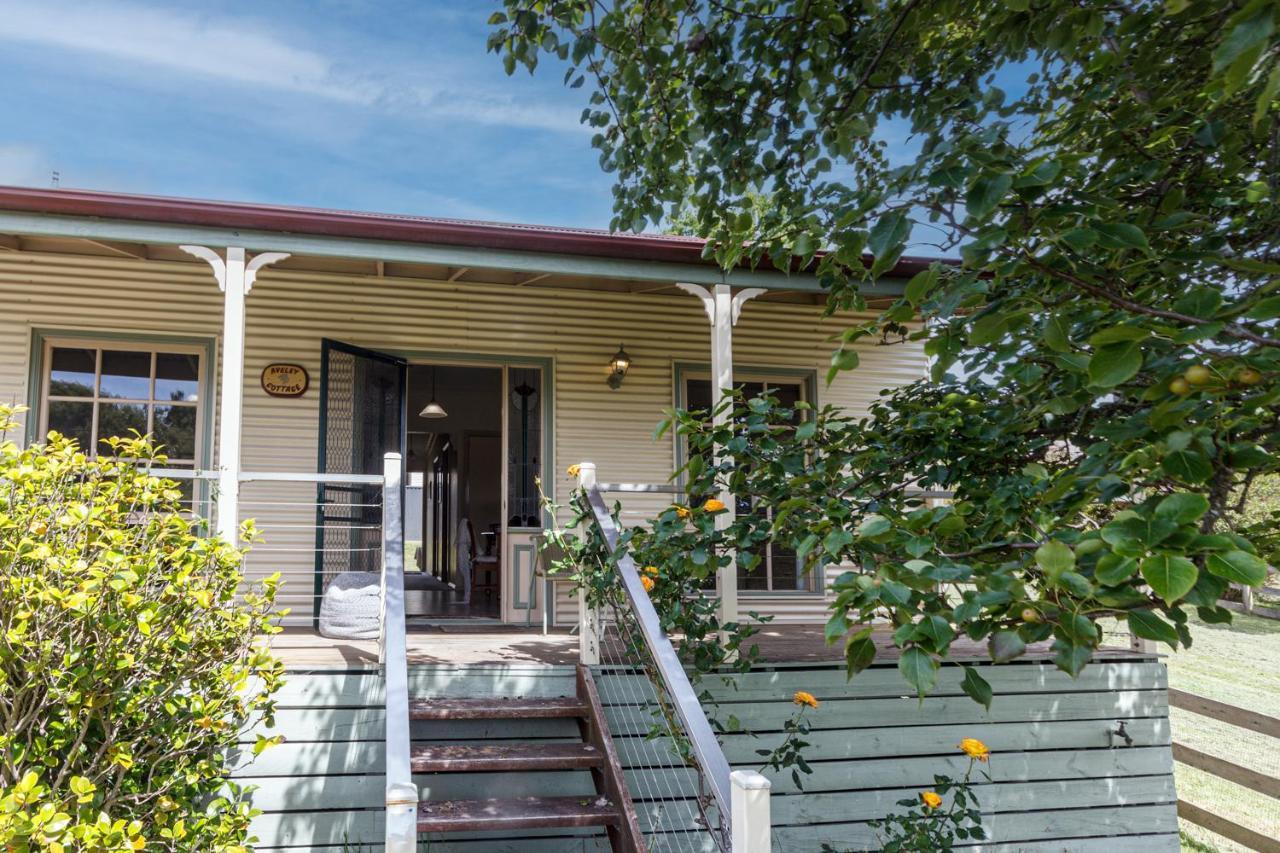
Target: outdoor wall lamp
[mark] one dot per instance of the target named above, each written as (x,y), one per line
(618,368)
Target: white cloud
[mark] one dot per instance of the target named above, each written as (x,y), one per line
(24,166)
(247,52)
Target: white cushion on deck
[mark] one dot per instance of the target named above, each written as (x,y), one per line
(351,606)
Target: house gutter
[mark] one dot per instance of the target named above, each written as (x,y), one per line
(384,237)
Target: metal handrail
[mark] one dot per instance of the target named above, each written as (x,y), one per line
(401,792)
(702,739)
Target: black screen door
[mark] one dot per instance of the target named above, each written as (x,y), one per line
(362,417)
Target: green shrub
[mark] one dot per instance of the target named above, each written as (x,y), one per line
(131,656)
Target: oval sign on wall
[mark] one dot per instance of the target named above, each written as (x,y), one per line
(285,380)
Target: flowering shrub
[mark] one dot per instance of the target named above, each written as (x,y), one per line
(130,657)
(929,825)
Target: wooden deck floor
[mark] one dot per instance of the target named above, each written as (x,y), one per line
(303,648)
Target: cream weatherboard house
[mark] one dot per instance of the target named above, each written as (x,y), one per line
(112,317)
(387,394)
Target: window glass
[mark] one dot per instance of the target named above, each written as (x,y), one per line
(72,372)
(524,434)
(125,375)
(175,429)
(120,420)
(72,419)
(177,376)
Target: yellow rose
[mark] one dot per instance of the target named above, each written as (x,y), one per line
(930,799)
(651,571)
(803,698)
(573,470)
(974,748)
(647,583)
(682,511)
(714,505)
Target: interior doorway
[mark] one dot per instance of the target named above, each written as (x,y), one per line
(454,514)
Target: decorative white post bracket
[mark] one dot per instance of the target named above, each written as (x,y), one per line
(723,308)
(750,804)
(235,279)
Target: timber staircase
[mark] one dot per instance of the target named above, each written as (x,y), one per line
(611,807)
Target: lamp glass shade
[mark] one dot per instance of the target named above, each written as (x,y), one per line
(621,361)
(433,410)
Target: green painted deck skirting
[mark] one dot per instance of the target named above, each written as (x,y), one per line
(1057,783)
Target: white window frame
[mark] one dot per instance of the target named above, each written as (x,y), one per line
(152,346)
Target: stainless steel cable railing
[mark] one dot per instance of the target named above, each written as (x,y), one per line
(732,807)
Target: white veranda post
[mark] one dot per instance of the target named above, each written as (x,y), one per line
(235,278)
(723,308)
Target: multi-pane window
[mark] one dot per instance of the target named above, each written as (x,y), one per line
(94,392)
(778,569)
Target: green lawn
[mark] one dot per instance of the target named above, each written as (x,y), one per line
(1238,664)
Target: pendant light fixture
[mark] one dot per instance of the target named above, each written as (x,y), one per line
(433,409)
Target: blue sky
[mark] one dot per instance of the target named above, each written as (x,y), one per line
(353,104)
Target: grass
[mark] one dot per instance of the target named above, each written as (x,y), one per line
(1238,664)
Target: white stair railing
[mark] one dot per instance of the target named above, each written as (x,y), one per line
(742,796)
(401,792)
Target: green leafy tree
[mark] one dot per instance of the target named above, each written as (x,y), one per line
(1105,352)
(132,656)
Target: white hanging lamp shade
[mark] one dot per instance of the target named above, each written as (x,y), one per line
(433,409)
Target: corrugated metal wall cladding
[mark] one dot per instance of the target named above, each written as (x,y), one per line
(289,313)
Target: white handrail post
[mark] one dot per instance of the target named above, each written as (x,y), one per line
(401,792)
(588,617)
(750,804)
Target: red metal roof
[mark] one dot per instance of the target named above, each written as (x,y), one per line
(370,226)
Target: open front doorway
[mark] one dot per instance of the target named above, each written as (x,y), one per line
(454,506)
(475,433)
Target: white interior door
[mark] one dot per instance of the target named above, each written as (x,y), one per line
(523,592)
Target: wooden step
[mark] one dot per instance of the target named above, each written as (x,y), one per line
(520,756)
(521,813)
(495,709)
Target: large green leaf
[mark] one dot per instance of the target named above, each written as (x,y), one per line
(1189,466)
(1149,626)
(1170,576)
(1114,569)
(986,193)
(1183,508)
(976,687)
(1115,364)
(888,233)
(1005,646)
(859,652)
(1055,558)
(1237,567)
(919,668)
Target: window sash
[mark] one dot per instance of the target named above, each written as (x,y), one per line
(153,348)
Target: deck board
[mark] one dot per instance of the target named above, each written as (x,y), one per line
(463,644)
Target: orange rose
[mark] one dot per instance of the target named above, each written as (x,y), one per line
(930,799)
(803,698)
(974,748)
